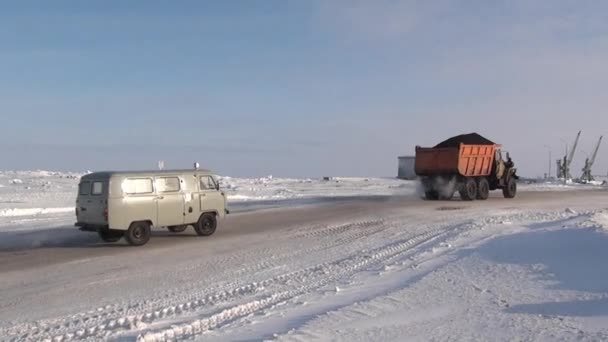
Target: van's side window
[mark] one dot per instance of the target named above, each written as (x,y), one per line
(207,183)
(97,188)
(137,186)
(84,188)
(167,184)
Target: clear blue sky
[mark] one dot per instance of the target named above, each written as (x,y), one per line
(296,88)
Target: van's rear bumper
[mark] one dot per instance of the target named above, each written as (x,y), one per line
(89,227)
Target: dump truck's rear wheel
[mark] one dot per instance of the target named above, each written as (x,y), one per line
(107,235)
(177,229)
(483,189)
(468,191)
(138,233)
(510,190)
(431,195)
(447,193)
(206,224)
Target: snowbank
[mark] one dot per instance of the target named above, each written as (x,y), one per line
(271,188)
(502,283)
(14,212)
(559,186)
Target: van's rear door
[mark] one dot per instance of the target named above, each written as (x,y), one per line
(92,203)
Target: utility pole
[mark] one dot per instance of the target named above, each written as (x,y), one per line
(550,162)
(550,159)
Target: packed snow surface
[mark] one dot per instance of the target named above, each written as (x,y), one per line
(532,268)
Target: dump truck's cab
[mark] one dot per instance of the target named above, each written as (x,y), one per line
(469,164)
(504,174)
(130,204)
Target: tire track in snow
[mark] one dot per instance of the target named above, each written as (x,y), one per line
(345,267)
(113,317)
(119,319)
(337,270)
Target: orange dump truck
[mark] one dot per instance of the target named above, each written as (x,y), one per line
(469,164)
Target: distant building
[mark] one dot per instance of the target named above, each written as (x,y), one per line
(406,167)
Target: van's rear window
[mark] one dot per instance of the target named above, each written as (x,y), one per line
(97,188)
(84,188)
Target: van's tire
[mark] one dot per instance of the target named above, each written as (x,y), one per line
(108,235)
(177,229)
(483,189)
(138,233)
(510,190)
(468,190)
(206,224)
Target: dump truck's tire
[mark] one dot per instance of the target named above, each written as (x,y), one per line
(468,191)
(177,229)
(510,190)
(483,189)
(431,195)
(138,233)
(107,235)
(206,224)
(447,194)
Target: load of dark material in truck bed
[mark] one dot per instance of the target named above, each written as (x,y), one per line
(467,139)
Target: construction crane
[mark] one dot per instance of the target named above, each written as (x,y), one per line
(565,164)
(587,177)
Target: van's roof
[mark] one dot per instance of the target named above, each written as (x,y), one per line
(144,173)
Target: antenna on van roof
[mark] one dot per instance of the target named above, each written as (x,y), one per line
(196,165)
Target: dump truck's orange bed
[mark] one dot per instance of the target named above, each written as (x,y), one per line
(467,160)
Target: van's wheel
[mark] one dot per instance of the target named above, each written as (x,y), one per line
(510,190)
(138,233)
(177,229)
(468,191)
(483,189)
(206,224)
(108,235)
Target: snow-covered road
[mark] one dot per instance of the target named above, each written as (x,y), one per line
(387,268)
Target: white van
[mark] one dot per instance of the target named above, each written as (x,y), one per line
(130,204)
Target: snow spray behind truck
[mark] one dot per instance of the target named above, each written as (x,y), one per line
(469,164)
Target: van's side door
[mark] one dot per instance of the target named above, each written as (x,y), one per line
(191,196)
(139,202)
(170,201)
(211,199)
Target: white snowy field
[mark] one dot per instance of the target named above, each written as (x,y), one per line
(31,196)
(36,199)
(400,269)
(31,200)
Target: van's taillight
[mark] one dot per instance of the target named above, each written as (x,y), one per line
(105,214)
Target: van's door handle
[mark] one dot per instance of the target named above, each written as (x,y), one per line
(160,197)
